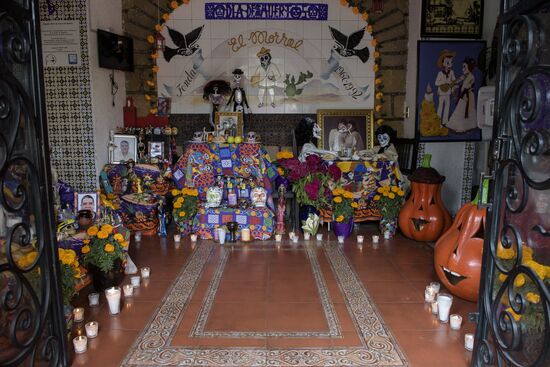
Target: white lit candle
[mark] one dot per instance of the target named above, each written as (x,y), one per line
(429,294)
(435,286)
(278,237)
(375,238)
(135,281)
(137,236)
(291,235)
(319,236)
(469,341)
(245,234)
(113,298)
(295,239)
(78,314)
(387,235)
(128,290)
(456,322)
(360,238)
(444,302)
(93,299)
(360,246)
(340,239)
(221,235)
(177,237)
(434,307)
(307,236)
(145,272)
(193,237)
(91,329)
(80,344)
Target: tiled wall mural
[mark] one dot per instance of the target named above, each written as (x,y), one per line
(295,57)
(69,105)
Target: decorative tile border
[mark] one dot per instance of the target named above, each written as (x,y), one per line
(152,347)
(69,106)
(271,11)
(467,172)
(198,329)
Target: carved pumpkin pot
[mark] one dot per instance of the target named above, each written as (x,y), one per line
(457,254)
(424,216)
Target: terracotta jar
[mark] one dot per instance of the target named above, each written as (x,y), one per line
(424,216)
(458,253)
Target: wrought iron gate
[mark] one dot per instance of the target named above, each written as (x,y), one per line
(32,325)
(514,304)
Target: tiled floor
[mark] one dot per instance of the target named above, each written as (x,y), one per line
(277,291)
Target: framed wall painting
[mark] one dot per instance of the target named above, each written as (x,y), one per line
(229,123)
(124,148)
(350,129)
(452,18)
(86,201)
(446,90)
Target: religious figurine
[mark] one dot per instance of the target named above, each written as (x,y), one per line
(281,207)
(215,92)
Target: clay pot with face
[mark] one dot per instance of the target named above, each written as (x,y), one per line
(424,216)
(457,254)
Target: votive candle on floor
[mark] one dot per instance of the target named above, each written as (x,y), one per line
(177,237)
(137,236)
(93,299)
(278,237)
(80,344)
(319,236)
(360,238)
(295,239)
(128,290)
(434,307)
(145,272)
(78,314)
(375,238)
(435,286)
(307,236)
(245,234)
(91,329)
(135,281)
(113,298)
(340,239)
(456,321)
(469,341)
(193,238)
(291,235)
(429,294)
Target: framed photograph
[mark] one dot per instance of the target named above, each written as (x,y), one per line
(156,149)
(86,201)
(347,129)
(452,18)
(163,106)
(446,94)
(124,148)
(229,123)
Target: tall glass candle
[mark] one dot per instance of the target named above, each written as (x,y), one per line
(469,341)
(444,302)
(113,298)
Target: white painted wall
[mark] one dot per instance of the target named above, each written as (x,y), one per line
(106,15)
(447,158)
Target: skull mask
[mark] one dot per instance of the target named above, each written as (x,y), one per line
(383,140)
(251,137)
(197,136)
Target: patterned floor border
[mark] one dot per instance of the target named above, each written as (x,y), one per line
(152,347)
(198,329)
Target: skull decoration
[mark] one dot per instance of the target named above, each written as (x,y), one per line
(213,197)
(458,253)
(259,197)
(198,136)
(252,137)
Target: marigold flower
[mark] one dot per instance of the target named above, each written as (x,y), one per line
(355,10)
(375,68)
(376,54)
(532,297)
(337,199)
(374,42)
(125,244)
(85,249)
(147,97)
(280,171)
(354,204)
(154,55)
(502,277)
(365,16)
(174,4)
(378,81)
(186,1)
(379,95)
(109,248)
(380,189)
(150,83)
(348,195)
(369,28)
(514,315)
(175,192)
(378,108)
(151,39)
(519,281)
(376,197)
(102,235)
(343,2)
(401,193)
(165,17)
(182,214)
(86,241)
(158,27)
(391,195)
(107,228)
(77,273)
(177,205)
(340,218)
(92,231)
(155,69)
(118,237)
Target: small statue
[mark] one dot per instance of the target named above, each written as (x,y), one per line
(215,92)
(385,149)
(281,207)
(162,220)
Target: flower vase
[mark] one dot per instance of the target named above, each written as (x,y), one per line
(343,228)
(388,225)
(304,212)
(112,278)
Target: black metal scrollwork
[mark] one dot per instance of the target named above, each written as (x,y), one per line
(32,326)
(514,320)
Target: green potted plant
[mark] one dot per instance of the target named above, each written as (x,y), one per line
(389,200)
(186,202)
